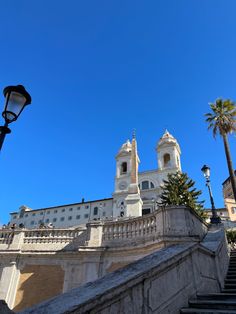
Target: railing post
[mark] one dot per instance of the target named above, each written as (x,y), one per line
(94,233)
(17,240)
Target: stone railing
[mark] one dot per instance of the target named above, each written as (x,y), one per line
(170,224)
(50,235)
(173,224)
(6,236)
(41,239)
(131,228)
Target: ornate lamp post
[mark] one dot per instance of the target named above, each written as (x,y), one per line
(16,98)
(215,219)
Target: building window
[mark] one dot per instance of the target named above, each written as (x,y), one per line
(103,214)
(123,168)
(86,215)
(78,217)
(32,222)
(152,185)
(71,209)
(70,218)
(87,206)
(48,212)
(55,211)
(33,214)
(95,211)
(63,210)
(78,207)
(146,211)
(233,210)
(54,219)
(41,213)
(145,185)
(47,220)
(26,215)
(62,218)
(166,160)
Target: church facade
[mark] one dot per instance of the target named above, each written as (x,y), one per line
(135,193)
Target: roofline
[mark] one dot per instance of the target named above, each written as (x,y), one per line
(210,209)
(100,200)
(147,171)
(229,177)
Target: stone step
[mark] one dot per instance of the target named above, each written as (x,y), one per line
(229,291)
(230,276)
(230,280)
(206,311)
(213,304)
(216,296)
(230,286)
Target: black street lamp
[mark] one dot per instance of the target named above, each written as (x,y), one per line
(16,98)
(215,219)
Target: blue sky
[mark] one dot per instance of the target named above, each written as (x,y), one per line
(98,69)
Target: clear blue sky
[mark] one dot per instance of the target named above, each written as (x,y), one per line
(98,69)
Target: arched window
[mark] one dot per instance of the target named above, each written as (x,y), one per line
(166,160)
(145,185)
(95,211)
(233,210)
(123,168)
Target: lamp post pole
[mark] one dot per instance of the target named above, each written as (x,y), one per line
(16,98)
(3,131)
(215,219)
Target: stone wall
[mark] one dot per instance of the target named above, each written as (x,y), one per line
(161,282)
(38,283)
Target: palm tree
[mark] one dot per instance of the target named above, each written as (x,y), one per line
(222,120)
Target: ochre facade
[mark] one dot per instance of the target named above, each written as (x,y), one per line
(38,283)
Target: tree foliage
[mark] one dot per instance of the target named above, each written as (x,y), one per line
(222,120)
(231,235)
(179,189)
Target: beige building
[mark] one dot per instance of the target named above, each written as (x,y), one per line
(230,203)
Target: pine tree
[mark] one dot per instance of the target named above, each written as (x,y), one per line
(179,189)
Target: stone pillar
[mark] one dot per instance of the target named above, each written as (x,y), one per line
(18,238)
(9,282)
(94,233)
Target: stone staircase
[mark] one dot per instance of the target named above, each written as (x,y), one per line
(224,302)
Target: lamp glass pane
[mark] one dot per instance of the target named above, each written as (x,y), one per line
(14,106)
(207,172)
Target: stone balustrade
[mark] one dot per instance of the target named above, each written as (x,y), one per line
(50,235)
(173,224)
(39,239)
(6,236)
(130,228)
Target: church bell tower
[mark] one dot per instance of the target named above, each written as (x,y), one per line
(126,182)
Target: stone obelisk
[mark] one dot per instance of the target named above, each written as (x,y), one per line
(133,200)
